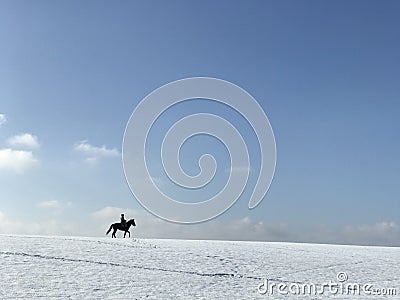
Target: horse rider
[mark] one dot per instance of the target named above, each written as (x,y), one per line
(123,221)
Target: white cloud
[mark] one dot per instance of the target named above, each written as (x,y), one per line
(49,204)
(380,233)
(16,160)
(25,140)
(94,153)
(47,227)
(3,119)
(55,206)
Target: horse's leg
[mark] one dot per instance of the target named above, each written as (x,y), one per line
(113,235)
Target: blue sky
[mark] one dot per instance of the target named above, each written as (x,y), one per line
(326,74)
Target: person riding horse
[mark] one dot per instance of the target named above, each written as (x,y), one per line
(123,226)
(123,221)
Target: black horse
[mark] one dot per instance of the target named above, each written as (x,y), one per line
(119,226)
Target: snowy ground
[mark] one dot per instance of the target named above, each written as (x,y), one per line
(33,267)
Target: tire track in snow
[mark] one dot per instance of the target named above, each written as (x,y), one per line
(77,260)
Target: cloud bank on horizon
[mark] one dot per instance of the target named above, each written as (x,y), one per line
(245,229)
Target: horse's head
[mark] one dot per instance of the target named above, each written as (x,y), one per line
(132,222)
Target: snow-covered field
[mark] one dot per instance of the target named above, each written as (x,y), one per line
(33,267)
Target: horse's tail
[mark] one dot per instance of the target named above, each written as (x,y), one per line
(109,229)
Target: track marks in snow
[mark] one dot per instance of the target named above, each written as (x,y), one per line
(111,264)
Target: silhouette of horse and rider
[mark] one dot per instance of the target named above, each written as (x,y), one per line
(123,226)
